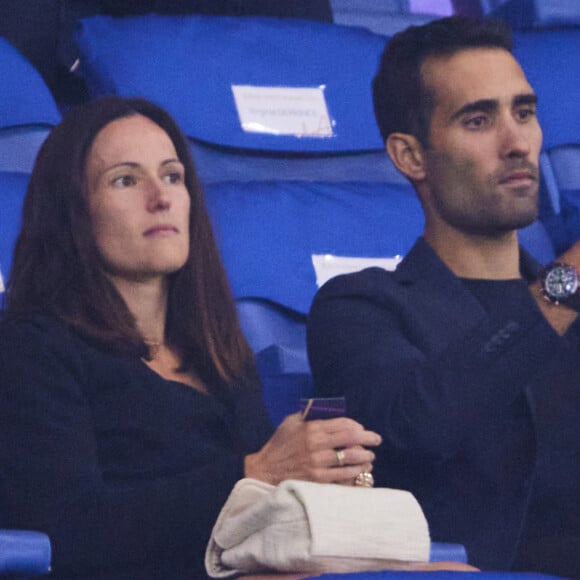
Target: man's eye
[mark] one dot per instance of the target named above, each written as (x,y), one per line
(525,114)
(124,181)
(477,122)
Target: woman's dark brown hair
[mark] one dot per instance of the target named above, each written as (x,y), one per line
(57,267)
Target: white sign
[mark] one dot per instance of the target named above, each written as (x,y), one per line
(328,266)
(301,112)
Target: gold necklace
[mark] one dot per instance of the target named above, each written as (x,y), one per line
(154,346)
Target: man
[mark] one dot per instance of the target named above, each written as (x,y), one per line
(456,358)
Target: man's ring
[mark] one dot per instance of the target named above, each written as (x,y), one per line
(340,457)
(364,479)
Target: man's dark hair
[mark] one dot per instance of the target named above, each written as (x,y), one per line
(57,268)
(402,102)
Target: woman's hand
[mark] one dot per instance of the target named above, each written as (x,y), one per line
(308,450)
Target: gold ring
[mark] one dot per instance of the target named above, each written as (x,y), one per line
(364,479)
(340,457)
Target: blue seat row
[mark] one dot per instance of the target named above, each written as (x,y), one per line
(276,199)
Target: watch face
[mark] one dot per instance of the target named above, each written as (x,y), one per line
(560,282)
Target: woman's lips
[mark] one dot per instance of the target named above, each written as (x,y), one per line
(161,230)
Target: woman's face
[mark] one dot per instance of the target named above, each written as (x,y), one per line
(138,202)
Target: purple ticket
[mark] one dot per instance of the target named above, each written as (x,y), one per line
(322,408)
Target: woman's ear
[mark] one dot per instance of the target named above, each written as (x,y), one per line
(406,152)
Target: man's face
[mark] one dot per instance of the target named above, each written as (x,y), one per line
(482,158)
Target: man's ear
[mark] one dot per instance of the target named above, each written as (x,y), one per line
(406,152)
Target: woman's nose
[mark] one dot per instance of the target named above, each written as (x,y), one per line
(158,197)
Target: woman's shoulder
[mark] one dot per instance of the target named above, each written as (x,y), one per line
(38,354)
(27,334)
(31,326)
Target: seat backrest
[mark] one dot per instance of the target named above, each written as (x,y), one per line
(269,231)
(381,16)
(205,58)
(528,14)
(265,323)
(27,110)
(536,239)
(12,190)
(551,60)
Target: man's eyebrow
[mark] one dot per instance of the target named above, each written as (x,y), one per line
(480,106)
(491,105)
(525,99)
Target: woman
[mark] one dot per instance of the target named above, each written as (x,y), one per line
(129,403)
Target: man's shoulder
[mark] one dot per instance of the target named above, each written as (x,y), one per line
(419,263)
(362,282)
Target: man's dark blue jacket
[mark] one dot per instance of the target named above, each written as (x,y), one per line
(477,401)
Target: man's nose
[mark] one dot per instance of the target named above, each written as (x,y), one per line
(516,139)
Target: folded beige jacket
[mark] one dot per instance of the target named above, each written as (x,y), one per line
(300,526)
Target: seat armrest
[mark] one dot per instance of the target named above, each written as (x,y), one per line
(445,552)
(24,552)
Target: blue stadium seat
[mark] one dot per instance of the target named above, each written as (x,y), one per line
(12,189)
(24,554)
(27,110)
(538,242)
(381,16)
(268,231)
(527,14)
(204,56)
(551,60)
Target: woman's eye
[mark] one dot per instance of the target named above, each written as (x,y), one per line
(174,177)
(124,181)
